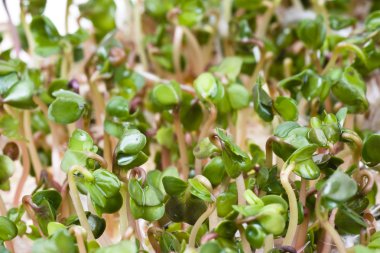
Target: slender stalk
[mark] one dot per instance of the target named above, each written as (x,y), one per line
(67,14)
(151,236)
(292,227)
(131,221)
(55,157)
(97,98)
(184,161)
(28,33)
(288,66)
(25,172)
(240,184)
(75,197)
(30,208)
(94,156)
(123,212)
(327,226)
(177,43)
(353,137)
(327,240)
(37,166)
(244,243)
(138,33)
(204,133)
(198,65)
(269,151)
(263,25)
(78,232)
(241,127)
(13,30)
(107,150)
(198,224)
(268,243)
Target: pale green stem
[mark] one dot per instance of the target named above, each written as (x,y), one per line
(37,166)
(184,161)
(28,33)
(198,224)
(204,133)
(123,212)
(268,243)
(353,137)
(244,243)
(137,9)
(293,209)
(76,199)
(77,231)
(327,226)
(177,44)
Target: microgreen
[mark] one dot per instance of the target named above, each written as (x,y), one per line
(190,126)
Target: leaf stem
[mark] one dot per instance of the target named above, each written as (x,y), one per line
(138,33)
(268,243)
(37,166)
(77,231)
(184,161)
(269,151)
(25,172)
(177,44)
(355,138)
(292,227)
(123,212)
(204,133)
(55,157)
(75,197)
(327,226)
(198,224)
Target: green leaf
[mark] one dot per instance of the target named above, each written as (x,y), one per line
(34,7)
(255,235)
(80,141)
(7,168)
(199,190)
(67,108)
(252,199)
(52,196)
(102,15)
(20,94)
(339,187)
(208,87)
(230,67)
(312,32)
(174,186)
(372,22)
(350,89)
(224,203)
(149,213)
(8,229)
(166,95)
(118,107)
(123,246)
(287,108)
(214,171)
(262,102)
(370,151)
(71,158)
(238,96)
(144,196)
(46,36)
(338,22)
(191,12)
(60,242)
(132,142)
